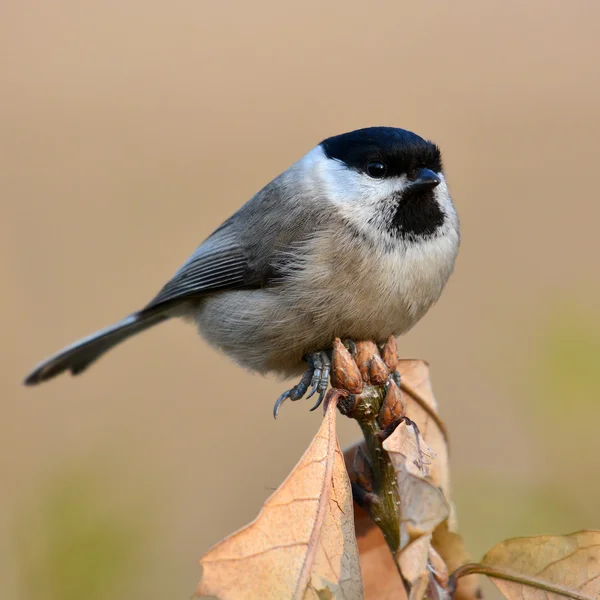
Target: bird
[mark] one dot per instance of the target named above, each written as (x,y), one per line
(356,240)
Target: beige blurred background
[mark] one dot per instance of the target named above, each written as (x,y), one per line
(130,130)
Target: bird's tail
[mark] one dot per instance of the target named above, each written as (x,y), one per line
(78,356)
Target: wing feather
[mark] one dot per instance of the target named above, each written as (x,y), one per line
(252,247)
(217,264)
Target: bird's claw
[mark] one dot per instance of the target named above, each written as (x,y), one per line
(323,380)
(319,400)
(316,376)
(279,402)
(317,362)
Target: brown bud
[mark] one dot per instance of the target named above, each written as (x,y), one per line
(389,353)
(378,371)
(365,351)
(393,406)
(361,470)
(344,372)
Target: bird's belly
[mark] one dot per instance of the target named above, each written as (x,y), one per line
(272,329)
(362,298)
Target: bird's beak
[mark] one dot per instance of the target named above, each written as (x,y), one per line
(426,179)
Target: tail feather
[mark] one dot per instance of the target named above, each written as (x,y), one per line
(79,356)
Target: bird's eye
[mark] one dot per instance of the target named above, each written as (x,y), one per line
(376,169)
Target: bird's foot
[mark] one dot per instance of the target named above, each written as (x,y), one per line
(320,378)
(316,376)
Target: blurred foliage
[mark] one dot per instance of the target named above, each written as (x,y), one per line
(491,510)
(560,400)
(566,371)
(73,542)
(565,405)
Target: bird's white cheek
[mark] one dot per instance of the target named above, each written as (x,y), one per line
(345,186)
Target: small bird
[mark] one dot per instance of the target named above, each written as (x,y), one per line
(356,240)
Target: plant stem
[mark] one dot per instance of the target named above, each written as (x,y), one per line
(384,500)
(498,572)
(384,511)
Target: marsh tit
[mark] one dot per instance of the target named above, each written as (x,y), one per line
(356,240)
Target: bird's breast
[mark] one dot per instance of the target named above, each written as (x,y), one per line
(366,291)
(336,287)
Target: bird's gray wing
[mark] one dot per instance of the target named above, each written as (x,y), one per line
(218,263)
(251,249)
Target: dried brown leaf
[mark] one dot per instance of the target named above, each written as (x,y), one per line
(361,470)
(413,561)
(302,544)
(438,567)
(422,508)
(545,567)
(381,579)
(422,505)
(422,408)
(451,548)
(425,570)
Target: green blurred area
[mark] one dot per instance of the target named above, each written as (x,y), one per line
(73,540)
(560,407)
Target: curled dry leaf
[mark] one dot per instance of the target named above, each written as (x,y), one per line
(302,544)
(422,505)
(422,508)
(421,407)
(425,570)
(438,568)
(413,562)
(451,548)
(545,567)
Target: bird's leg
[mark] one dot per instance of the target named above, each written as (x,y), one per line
(320,378)
(317,376)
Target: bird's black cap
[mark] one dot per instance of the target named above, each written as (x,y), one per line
(402,151)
